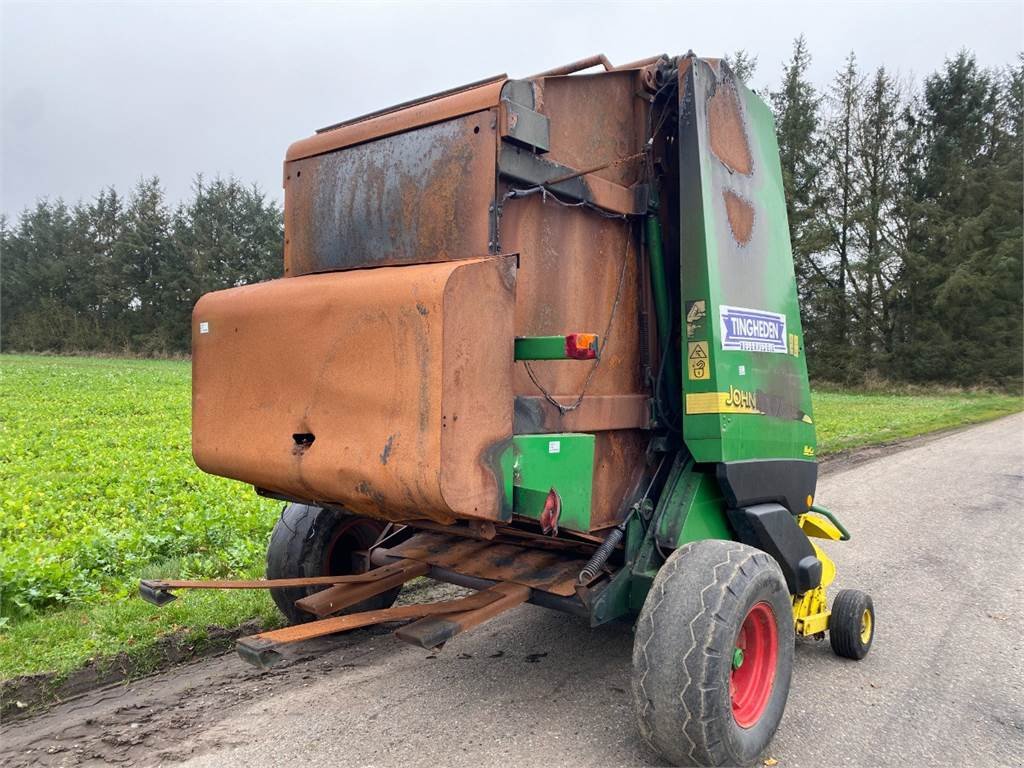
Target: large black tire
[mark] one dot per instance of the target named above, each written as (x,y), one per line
(684,661)
(312,541)
(851,628)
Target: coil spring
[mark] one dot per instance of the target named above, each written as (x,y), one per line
(601,555)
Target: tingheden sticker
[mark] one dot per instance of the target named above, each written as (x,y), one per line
(753,330)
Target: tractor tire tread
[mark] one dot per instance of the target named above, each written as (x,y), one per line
(710,568)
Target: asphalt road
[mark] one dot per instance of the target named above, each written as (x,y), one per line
(936,541)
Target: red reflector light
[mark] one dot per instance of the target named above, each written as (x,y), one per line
(581,346)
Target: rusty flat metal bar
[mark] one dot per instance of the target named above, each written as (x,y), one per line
(261,649)
(342,596)
(157,591)
(434,631)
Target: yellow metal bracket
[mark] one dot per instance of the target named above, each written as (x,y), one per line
(818,527)
(810,610)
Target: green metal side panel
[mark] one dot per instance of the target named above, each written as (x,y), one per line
(691,508)
(746,394)
(564,462)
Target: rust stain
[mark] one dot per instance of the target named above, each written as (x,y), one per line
(741,216)
(726,129)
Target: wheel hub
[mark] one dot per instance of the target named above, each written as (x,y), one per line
(754,659)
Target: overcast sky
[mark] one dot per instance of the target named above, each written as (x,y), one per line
(100,94)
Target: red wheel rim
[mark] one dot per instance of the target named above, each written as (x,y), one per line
(753,665)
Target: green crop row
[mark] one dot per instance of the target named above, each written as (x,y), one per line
(97,484)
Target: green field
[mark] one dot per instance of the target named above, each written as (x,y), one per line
(98,489)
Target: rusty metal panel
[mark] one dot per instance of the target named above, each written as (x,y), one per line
(387,391)
(596,119)
(569,268)
(597,413)
(415,197)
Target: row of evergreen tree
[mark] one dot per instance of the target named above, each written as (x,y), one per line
(905,213)
(121,276)
(905,210)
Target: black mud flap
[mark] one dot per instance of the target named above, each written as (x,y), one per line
(771,528)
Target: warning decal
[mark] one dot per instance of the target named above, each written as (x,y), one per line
(697,361)
(696,311)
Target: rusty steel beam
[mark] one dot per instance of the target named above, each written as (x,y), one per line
(435,631)
(261,649)
(343,596)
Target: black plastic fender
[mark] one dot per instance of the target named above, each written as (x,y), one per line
(772,529)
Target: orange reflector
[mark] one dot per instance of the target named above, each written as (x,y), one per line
(581,346)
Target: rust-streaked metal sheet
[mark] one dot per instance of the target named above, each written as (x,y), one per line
(596,119)
(415,197)
(554,572)
(396,120)
(597,413)
(569,267)
(401,375)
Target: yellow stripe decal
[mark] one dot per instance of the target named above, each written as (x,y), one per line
(733,401)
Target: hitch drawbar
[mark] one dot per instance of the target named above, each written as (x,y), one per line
(436,623)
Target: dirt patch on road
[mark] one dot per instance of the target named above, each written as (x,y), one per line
(28,694)
(154,720)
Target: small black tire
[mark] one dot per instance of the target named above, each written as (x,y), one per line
(312,541)
(851,628)
(684,659)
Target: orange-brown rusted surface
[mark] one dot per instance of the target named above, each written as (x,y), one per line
(596,119)
(338,598)
(741,216)
(554,572)
(597,413)
(300,632)
(435,110)
(389,369)
(569,268)
(726,130)
(405,372)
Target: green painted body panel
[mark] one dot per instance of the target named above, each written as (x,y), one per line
(752,404)
(564,462)
(690,508)
(693,507)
